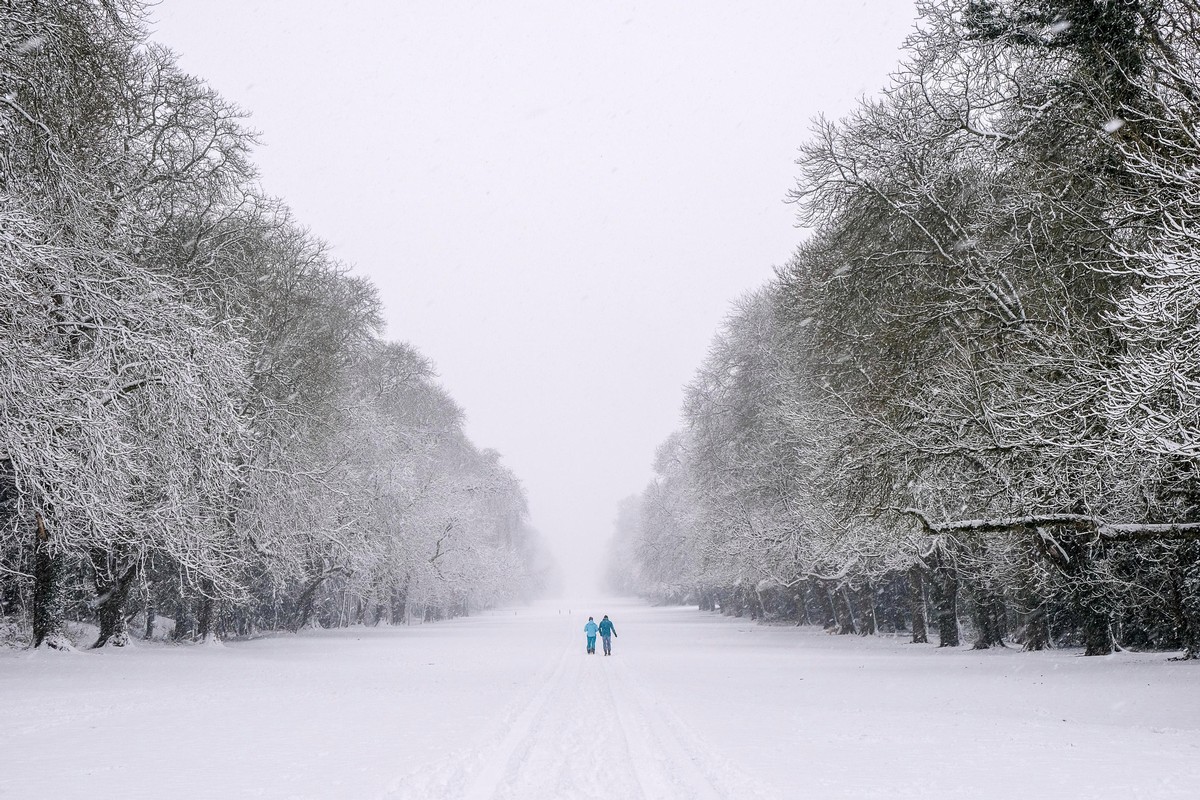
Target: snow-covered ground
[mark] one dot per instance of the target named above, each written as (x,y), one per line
(506,705)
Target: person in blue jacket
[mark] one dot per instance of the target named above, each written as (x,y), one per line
(590,629)
(607,631)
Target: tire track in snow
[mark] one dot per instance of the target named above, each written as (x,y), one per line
(589,729)
(686,767)
(465,775)
(562,741)
(574,748)
(557,747)
(662,767)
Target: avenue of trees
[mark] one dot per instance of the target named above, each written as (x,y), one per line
(199,417)
(969,406)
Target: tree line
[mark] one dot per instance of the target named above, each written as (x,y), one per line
(200,418)
(971,399)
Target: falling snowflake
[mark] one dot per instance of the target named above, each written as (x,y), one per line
(1055,28)
(31,45)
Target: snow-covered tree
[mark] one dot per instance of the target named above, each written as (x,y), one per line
(972,384)
(197,410)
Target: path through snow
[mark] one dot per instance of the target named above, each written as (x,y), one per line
(589,729)
(507,705)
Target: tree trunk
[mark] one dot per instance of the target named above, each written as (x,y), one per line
(112,595)
(864,601)
(916,604)
(204,619)
(800,604)
(399,603)
(1185,600)
(304,604)
(945,584)
(989,615)
(49,605)
(1089,601)
(1097,632)
(758,609)
(1031,597)
(842,611)
(738,606)
(896,602)
(184,621)
(1073,557)
(150,617)
(820,598)
(1037,620)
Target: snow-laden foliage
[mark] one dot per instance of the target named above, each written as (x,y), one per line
(198,417)
(970,397)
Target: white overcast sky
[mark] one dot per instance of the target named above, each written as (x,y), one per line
(557,200)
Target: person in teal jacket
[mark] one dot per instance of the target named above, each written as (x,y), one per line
(590,629)
(607,631)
